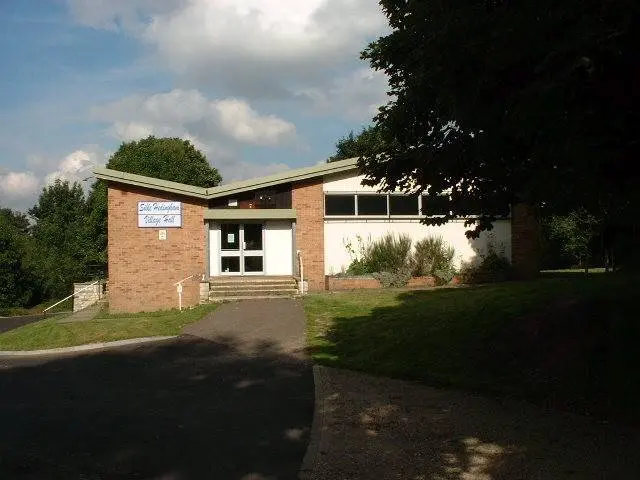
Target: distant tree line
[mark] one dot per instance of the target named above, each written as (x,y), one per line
(62,239)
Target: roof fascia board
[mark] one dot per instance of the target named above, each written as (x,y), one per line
(288,176)
(284,177)
(150,182)
(250,214)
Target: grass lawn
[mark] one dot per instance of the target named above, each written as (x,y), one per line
(566,342)
(104,328)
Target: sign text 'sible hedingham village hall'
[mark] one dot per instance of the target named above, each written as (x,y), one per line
(160,214)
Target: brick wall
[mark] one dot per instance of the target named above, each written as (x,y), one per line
(352,283)
(525,241)
(142,268)
(308,201)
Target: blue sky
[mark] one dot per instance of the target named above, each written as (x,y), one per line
(258,85)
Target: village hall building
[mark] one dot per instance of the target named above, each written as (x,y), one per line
(167,237)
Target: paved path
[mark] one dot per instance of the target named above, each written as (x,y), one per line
(259,323)
(84,315)
(10,323)
(376,428)
(233,402)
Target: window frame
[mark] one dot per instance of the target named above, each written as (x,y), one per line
(357,215)
(340,215)
(372,215)
(405,215)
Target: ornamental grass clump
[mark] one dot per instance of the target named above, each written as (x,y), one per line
(433,257)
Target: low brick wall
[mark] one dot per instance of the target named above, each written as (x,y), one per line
(421,282)
(354,283)
(351,283)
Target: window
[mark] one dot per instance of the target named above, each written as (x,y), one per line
(403,205)
(266,198)
(435,206)
(372,204)
(340,205)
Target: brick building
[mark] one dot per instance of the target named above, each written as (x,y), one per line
(162,232)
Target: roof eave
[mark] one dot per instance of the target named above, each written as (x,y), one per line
(289,176)
(282,178)
(150,183)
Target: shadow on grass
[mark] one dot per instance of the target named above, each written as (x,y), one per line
(405,430)
(187,409)
(563,345)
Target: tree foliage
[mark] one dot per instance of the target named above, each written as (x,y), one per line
(17,284)
(171,159)
(500,102)
(574,233)
(61,241)
(367,142)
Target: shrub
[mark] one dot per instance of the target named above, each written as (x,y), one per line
(398,278)
(389,253)
(433,257)
(492,267)
(389,258)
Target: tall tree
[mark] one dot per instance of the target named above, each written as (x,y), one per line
(62,244)
(171,159)
(499,102)
(367,142)
(574,234)
(18,286)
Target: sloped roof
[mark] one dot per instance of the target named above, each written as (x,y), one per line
(233,188)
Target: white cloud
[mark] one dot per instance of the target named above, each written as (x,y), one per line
(75,167)
(255,49)
(216,127)
(187,113)
(245,125)
(19,190)
(356,96)
(18,185)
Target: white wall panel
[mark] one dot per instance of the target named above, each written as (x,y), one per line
(278,248)
(214,249)
(338,232)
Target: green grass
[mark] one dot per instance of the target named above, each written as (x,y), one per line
(50,333)
(568,342)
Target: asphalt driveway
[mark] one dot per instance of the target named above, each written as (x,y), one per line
(10,323)
(229,403)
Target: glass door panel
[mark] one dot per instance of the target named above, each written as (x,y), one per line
(253,265)
(230,236)
(253,236)
(241,249)
(230,265)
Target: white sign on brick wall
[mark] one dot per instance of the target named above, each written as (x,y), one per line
(159,214)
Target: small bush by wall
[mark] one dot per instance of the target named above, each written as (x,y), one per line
(434,258)
(492,266)
(391,260)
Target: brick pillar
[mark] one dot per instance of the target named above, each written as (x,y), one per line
(525,241)
(308,200)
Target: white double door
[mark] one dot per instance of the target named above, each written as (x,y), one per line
(242,249)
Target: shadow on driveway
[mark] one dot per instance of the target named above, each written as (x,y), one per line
(188,409)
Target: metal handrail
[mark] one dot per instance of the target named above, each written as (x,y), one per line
(73,294)
(178,286)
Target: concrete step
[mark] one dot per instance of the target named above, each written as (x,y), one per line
(244,297)
(251,286)
(253,293)
(251,281)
